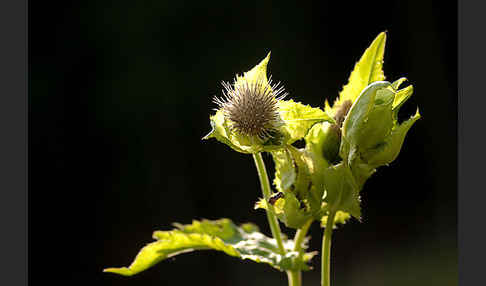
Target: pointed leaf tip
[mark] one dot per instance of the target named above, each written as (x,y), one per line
(258,72)
(367,70)
(396,84)
(208,136)
(417,113)
(124,271)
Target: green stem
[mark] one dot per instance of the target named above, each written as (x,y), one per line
(265,185)
(326,251)
(300,235)
(295,277)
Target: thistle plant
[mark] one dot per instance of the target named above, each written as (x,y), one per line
(345,143)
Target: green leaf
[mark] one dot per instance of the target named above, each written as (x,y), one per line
(342,192)
(299,175)
(303,180)
(401,97)
(293,215)
(361,172)
(389,151)
(278,206)
(292,181)
(356,126)
(258,72)
(309,185)
(379,121)
(221,132)
(315,164)
(366,71)
(299,119)
(396,84)
(340,217)
(288,210)
(244,242)
(285,174)
(323,141)
(262,204)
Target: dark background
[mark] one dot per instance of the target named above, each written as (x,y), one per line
(120,95)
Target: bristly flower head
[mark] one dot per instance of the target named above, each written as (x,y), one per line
(251,106)
(252,115)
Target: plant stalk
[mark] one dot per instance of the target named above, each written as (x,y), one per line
(300,235)
(295,277)
(326,251)
(265,185)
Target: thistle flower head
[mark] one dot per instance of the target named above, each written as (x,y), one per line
(251,106)
(253,117)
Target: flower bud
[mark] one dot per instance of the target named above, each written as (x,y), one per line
(331,140)
(371,132)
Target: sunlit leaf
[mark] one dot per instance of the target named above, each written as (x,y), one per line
(291,178)
(340,218)
(368,69)
(396,84)
(285,174)
(257,73)
(299,118)
(401,97)
(221,132)
(293,215)
(244,242)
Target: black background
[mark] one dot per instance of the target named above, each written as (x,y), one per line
(120,95)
